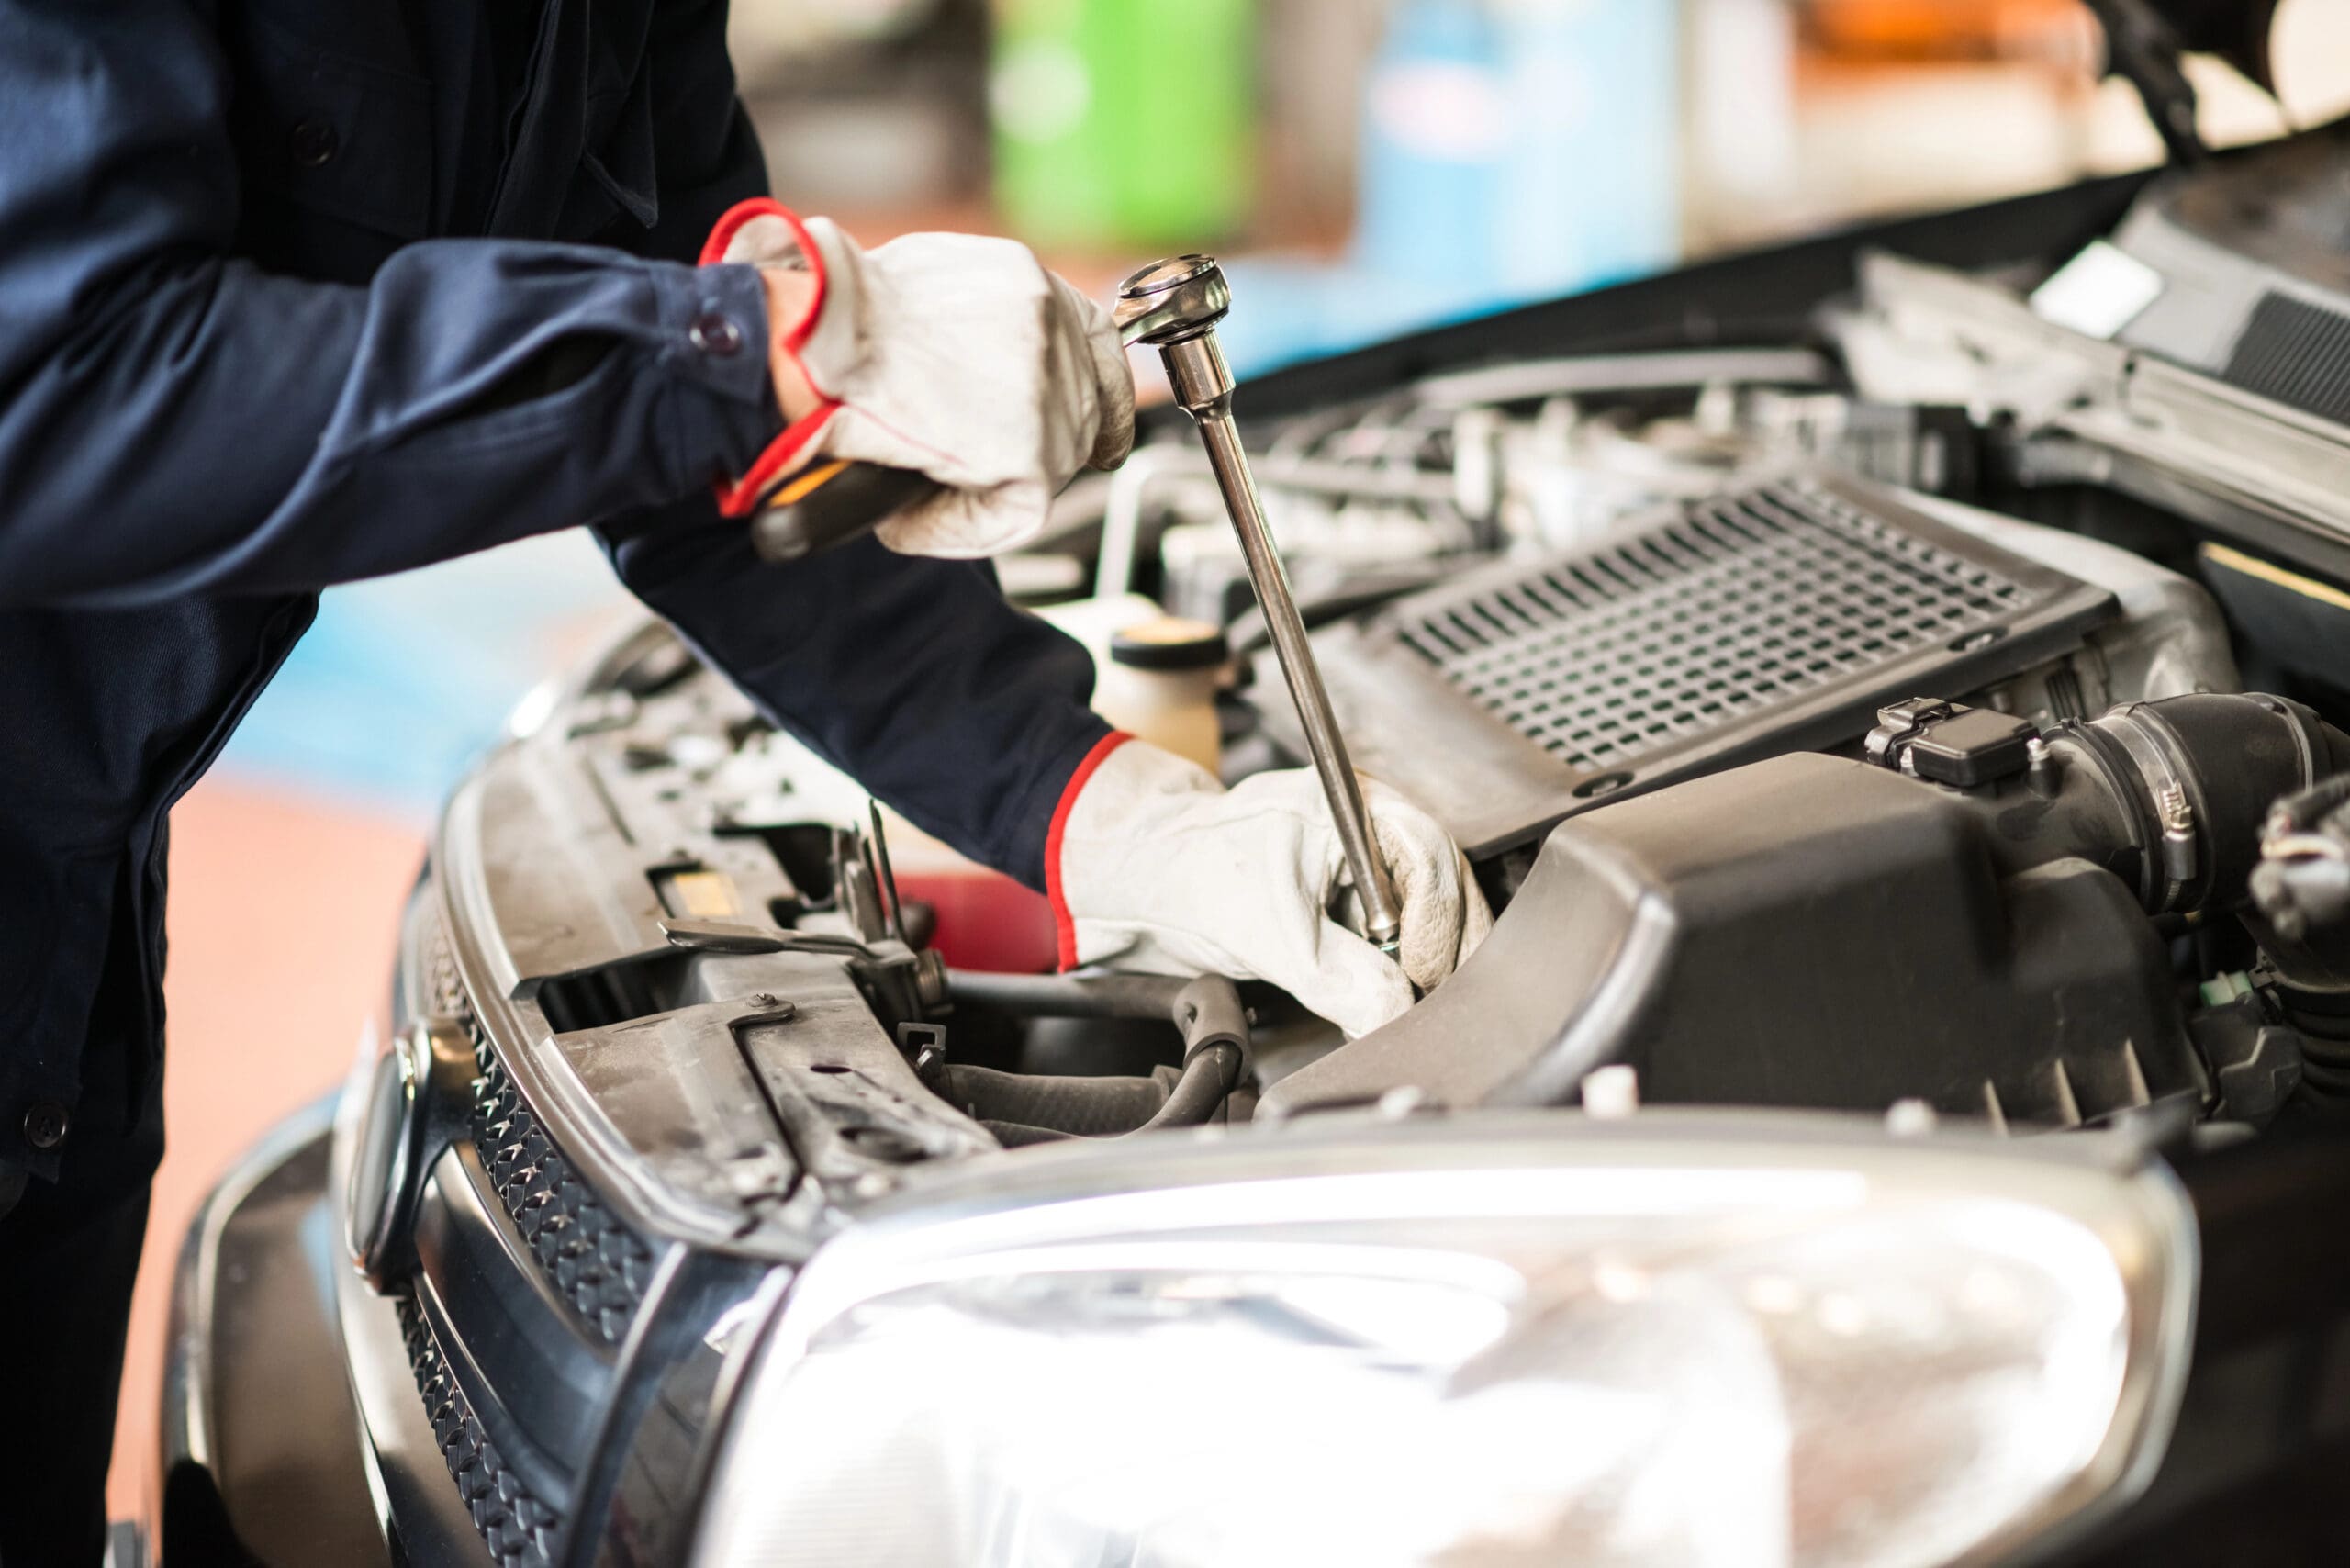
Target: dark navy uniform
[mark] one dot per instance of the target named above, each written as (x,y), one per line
(298,291)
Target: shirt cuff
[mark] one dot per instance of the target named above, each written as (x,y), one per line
(741,497)
(722,413)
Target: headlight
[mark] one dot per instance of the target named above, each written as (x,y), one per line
(1673,1341)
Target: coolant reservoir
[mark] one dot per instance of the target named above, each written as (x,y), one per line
(1093,622)
(1160,683)
(1155,675)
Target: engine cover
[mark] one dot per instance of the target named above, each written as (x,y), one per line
(1805,930)
(1767,621)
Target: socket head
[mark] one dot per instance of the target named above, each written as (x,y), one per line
(1169,301)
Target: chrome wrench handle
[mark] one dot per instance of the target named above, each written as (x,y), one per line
(1174,306)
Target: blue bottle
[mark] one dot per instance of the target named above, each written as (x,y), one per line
(1589,189)
(1435,145)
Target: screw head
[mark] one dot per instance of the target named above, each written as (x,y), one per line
(1165,274)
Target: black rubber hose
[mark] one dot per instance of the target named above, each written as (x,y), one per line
(1206,1010)
(1075,1107)
(1208,1076)
(2229,756)
(1215,1028)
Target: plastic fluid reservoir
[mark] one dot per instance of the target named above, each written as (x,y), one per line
(1160,683)
(1093,622)
(1162,688)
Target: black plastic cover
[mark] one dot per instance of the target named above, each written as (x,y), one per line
(1775,619)
(1807,931)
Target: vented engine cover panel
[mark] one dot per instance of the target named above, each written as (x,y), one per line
(1769,619)
(2296,353)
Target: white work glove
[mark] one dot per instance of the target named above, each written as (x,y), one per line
(953,355)
(1157,867)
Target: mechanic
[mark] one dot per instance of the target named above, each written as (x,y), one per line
(292,294)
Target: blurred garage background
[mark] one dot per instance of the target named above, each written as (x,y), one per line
(1372,164)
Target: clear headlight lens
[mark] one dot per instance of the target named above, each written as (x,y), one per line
(1634,1346)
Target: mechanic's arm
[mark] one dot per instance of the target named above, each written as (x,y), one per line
(965,359)
(174,420)
(913,675)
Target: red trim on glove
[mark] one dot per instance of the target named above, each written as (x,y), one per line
(740,498)
(1064,925)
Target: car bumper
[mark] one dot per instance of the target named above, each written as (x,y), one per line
(292,1433)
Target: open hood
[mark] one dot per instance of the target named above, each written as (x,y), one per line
(2144,42)
(2236,30)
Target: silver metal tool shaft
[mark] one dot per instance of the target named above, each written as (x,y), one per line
(1174,306)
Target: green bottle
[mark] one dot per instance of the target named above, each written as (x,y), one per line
(1123,124)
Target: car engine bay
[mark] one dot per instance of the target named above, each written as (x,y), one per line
(1896,675)
(1848,720)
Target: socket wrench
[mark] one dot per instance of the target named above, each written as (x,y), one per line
(1173,306)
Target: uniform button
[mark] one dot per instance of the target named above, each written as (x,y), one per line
(716,334)
(45,1124)
(314,143)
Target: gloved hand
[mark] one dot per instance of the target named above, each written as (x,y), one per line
(1154,866)
(953,355)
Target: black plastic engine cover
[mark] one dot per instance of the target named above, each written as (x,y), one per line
(1802,932)
(1772,619)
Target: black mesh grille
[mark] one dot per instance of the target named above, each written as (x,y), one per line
(594,1262)
(2298,354)
(519,1529)
(1737,606)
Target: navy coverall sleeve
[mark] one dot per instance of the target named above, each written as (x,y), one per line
(174,420)
(913,677)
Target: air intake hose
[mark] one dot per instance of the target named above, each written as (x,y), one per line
(2170,795)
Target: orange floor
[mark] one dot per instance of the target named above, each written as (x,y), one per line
(281,916)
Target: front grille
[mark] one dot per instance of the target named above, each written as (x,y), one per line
(2298,354)
(594,1262)
(1736,607)
(519,1529)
